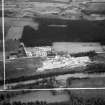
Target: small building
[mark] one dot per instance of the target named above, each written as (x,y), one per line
(38,51)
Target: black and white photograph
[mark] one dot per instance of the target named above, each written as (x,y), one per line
(53,97)
(54,44)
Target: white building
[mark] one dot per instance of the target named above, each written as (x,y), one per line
(38,51)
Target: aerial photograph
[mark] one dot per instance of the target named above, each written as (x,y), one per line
(53,97)
(54,44)
(1,52)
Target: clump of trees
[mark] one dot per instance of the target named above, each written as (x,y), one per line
(34,103)
(90,54)
(92,101)
(95,67)
(81,54)
(75,101)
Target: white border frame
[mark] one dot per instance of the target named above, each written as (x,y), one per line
(3,42)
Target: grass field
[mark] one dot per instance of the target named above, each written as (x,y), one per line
(56,97)
(22,67)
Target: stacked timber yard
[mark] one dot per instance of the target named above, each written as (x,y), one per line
(54,44)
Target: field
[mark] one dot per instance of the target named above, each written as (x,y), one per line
(26,75)
(55,97)
(22,67)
